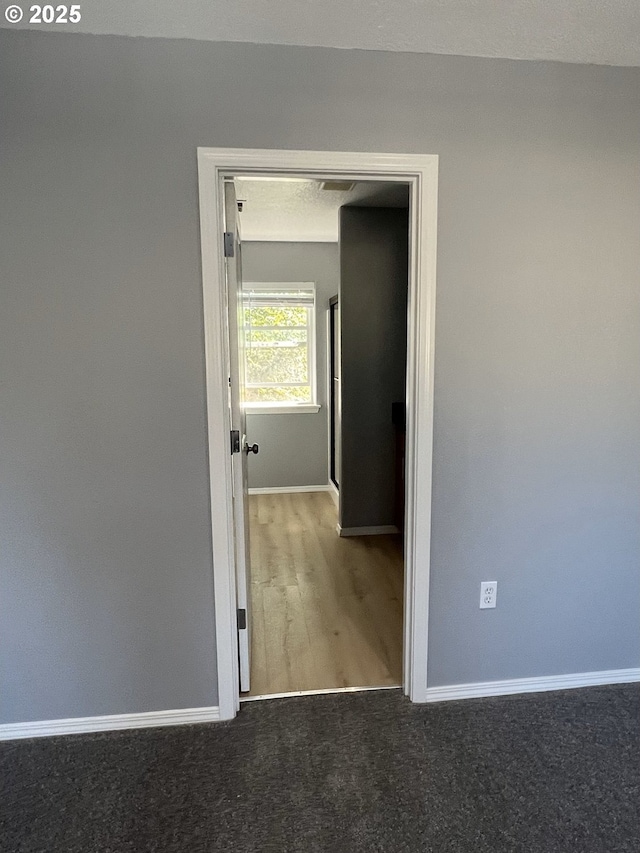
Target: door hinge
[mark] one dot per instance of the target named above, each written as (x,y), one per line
(229,240)
(235,441)
(242,619)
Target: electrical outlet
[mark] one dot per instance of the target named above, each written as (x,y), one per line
(488,594)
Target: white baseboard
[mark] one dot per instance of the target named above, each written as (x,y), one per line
(184,716)
(288,490)
(531,685)
(380,530)
(108,723)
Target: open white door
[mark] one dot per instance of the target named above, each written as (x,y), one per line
(240,448)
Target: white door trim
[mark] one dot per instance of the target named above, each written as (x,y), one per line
(421,173)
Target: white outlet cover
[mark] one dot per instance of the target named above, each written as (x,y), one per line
(488,594)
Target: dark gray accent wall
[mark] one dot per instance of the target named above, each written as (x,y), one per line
(294,448)
(105,569)
(374,248)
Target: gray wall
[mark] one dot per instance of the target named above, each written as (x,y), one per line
(374,247)
(106,584)
(294,448)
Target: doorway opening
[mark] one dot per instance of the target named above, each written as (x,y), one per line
(315,367)
(322,366)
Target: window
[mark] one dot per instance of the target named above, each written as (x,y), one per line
(279,347)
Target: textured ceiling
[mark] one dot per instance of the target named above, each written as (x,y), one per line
(593,31)
(300,211)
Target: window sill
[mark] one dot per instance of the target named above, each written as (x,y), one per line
(276,409)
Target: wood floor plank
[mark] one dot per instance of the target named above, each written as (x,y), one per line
(327,611)
(259,672)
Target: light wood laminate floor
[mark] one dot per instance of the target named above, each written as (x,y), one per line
(326,610)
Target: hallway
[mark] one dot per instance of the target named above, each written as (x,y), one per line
(326,611)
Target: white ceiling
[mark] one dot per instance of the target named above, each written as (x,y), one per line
(593,31)
(300,211)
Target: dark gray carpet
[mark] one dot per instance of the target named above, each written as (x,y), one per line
(351,772)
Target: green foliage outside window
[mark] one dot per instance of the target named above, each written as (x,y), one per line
(275,316)
(277,368)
